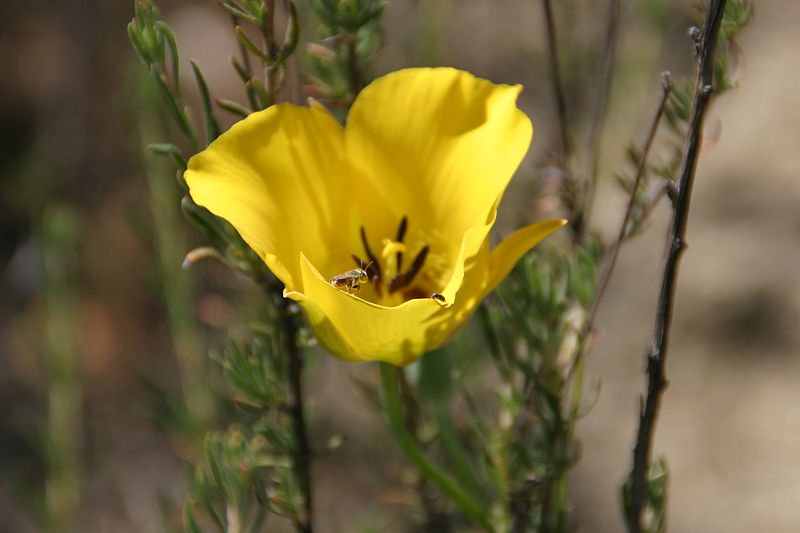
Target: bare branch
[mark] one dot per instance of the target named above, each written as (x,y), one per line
(595,133)
(558,87)
(656,358)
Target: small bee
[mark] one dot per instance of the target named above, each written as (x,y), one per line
(350,280)
(439,299)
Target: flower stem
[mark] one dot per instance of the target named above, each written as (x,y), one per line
(394,415)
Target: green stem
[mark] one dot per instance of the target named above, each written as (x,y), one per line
(394,414)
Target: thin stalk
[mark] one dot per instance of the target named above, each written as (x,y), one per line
(475,509)
(301,460)
(493,341)
(656,358)
(243,51)
(595,135)
(270,49)
(611,257)
(521,503)
(555,78)
(61,357)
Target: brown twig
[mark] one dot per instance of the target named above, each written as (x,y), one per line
(595,138)
(521,505)
(656,358)
(302,452)
(558,87)
(612,255)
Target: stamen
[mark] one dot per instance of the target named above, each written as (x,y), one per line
(401,232)
(377,270)
(404,279)
(372,270)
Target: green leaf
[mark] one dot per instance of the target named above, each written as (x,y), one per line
(207,222)
(209,120)
(169,150)
(243,73)
(257,86)
(291,38)
(189,521)
(247,43)
(174,57)
(233,107)
(239,12)
(135,36)
(179,115)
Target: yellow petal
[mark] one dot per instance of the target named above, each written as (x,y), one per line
(280,177)
(356,330)
(507,253)
(438,145)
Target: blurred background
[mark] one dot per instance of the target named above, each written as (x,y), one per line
(100,328)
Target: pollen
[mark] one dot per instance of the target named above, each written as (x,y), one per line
(392,247)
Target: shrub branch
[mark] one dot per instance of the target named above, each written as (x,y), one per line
(656,358)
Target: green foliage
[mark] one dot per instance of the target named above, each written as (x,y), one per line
(248,469)
(351,38)
(536,319)
(155,44)
(229,485)
(738,14)
(151,38)
(348,16)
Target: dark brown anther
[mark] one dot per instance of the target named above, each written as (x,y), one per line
(401,232)
(372,270)
(404,279)
(372,261)
(358,261)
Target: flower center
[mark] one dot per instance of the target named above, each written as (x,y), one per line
(392,284)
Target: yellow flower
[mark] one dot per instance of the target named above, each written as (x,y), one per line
(407,191)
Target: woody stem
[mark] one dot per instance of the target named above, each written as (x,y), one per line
(301,460)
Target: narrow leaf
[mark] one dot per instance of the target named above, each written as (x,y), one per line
(174,57)
(135,36)
(169,150)
(257,86)
(209,120)
(189,520)
(292,36)
(247,43)
(180,115)
(233,107)
(239,13)
(243,73)
(206,221)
